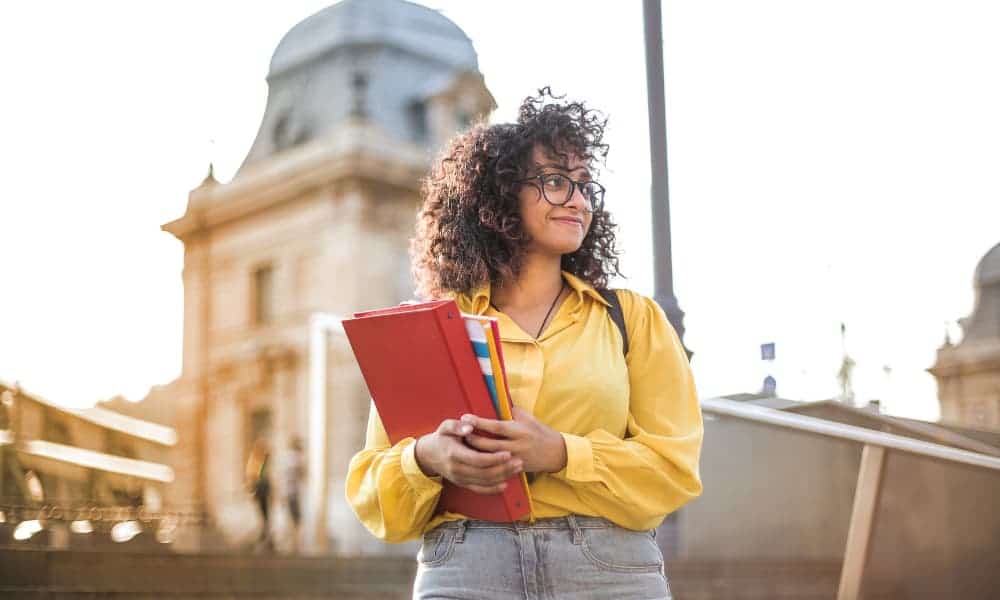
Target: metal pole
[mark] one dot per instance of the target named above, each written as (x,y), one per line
(660,200)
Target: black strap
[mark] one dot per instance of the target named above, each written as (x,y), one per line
(616,314)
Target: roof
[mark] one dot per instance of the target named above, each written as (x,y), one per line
(923,430)
(988,269)
(397,23)
(831,429)
(105,419)
(90,459)
(765,400)
(376,60)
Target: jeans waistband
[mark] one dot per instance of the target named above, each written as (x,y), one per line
(571,522)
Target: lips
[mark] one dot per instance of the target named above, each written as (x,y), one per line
(569,220)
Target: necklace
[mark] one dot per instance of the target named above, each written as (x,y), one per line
(547,315)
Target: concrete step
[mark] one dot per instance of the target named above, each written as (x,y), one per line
(75,574)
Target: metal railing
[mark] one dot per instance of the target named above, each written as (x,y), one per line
(875,447)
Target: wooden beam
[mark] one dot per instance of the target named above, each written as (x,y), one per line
(862,524)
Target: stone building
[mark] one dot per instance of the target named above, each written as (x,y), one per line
(67,463)
(316,221)
(968,373)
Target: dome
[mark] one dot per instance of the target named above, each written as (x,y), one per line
(984,322)
(405,25)
(988,270)
(377,60)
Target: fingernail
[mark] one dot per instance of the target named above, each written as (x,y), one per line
(468,418)
(464,429)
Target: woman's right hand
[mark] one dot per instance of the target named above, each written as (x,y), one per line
(443,452)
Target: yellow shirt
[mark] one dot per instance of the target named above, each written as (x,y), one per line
(632,425)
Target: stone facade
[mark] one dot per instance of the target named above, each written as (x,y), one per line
(318,224)
(968,373)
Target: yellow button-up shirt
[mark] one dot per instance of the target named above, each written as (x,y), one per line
(632,425)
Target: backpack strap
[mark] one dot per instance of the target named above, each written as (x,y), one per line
(616,314)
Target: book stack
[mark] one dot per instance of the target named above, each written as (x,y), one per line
(425,363)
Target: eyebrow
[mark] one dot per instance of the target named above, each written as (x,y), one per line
(564,168)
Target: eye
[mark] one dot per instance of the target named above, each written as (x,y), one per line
(554,182)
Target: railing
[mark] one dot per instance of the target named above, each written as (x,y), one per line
(876,446)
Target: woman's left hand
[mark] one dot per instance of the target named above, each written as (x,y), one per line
(540,448)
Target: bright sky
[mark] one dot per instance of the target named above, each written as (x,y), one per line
(829,162)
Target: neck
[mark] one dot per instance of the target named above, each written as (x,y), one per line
(539,281)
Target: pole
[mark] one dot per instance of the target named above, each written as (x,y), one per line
(662,257)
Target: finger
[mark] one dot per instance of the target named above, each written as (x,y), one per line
(475,458)
(488,476)
(485,444)
(501,428)
(454,427)
(520,414)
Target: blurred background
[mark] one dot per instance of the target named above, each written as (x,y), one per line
(195,192)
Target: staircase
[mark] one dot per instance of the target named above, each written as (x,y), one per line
(33,574)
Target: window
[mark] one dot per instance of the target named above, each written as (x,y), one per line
(263,295)
(418,121)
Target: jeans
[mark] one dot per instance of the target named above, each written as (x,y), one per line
(579,558)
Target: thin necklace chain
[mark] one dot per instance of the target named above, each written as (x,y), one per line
(547,314)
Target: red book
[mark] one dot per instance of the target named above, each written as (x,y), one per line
(420,369)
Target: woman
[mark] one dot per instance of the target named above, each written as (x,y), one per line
(513,226)
(258,477)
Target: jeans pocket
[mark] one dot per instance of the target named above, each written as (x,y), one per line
(622,550)
(437,547)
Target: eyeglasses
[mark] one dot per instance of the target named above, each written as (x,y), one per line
(557,189)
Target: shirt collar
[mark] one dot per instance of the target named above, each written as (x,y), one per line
(478,301)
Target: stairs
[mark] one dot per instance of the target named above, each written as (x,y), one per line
(34,574)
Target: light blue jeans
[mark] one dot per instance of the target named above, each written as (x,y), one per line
(579,558)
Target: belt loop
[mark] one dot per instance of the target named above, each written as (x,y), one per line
(575,527)
(460,534)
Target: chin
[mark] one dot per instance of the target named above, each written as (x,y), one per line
(562,248)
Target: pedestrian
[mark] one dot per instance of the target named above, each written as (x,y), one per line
(606,423)
(258,475)
(295,474)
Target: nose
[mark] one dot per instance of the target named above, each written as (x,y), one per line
(576,199)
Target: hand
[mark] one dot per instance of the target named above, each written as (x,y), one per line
(539,447)
(444,453)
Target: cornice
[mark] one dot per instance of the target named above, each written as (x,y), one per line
(357,149)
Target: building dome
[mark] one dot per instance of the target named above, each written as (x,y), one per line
(988,270)
(382,61)
(396,23)
(984,322)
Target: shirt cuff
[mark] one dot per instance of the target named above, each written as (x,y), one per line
(579,459)
(414,475)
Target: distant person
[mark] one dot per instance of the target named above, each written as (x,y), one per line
(513,226)
(294,479)
(259,481)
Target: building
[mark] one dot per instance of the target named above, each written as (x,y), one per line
(968,373)
(58,465)
(816,497)
(317,221)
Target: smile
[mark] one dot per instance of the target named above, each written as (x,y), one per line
(569,221)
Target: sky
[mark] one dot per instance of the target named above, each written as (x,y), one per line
(829,162)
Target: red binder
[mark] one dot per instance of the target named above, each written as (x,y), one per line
(420,369)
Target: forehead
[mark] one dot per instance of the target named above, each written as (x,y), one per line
(542,157)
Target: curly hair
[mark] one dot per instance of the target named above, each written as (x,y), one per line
(469,229)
